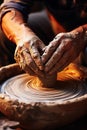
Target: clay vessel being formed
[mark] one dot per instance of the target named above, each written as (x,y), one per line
(24,98)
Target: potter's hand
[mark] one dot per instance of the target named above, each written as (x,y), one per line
(62,50)
(29,46)
(28,55)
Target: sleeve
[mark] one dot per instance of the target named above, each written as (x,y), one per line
(22,5)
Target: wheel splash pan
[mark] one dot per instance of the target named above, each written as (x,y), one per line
(39,108)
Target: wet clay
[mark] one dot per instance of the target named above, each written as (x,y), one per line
(26,89)
(23,98)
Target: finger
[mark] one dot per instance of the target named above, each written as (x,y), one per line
(28,70)
(36,55)
(26,62)
(52,47)
(30,63)
(52,61)
(23,65)
(49,50)
(63,62)
(66,63)
(57,55)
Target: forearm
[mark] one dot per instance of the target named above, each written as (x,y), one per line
(80,33)
(14,26)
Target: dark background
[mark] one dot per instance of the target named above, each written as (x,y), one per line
(6,124)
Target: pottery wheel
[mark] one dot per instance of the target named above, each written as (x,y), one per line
(20,87)
(40,107)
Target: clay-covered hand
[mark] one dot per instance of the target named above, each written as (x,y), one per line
(28,55)
(62,50)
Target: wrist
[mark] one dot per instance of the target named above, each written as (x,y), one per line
(80,34)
